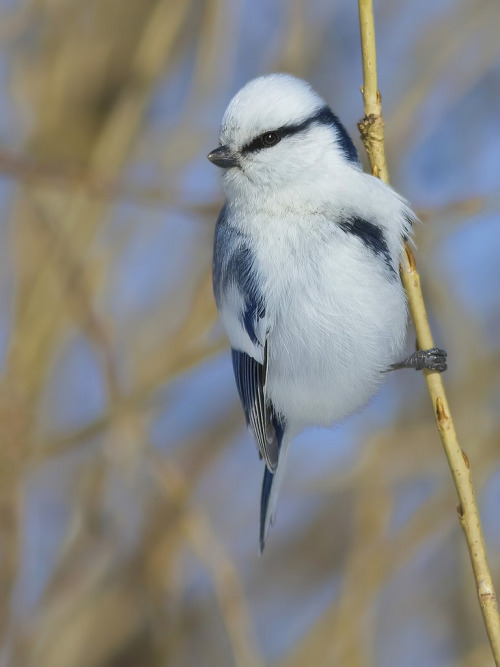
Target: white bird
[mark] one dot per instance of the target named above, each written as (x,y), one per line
(305,269)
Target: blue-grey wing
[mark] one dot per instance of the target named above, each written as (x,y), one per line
(238,295)
(250,381)
(242,308)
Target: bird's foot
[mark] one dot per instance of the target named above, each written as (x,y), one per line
(431,360)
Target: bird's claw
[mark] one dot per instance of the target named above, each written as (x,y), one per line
(431,360)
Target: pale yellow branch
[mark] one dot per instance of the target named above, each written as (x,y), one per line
(372,134)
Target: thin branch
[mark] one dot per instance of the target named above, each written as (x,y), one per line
(372,134)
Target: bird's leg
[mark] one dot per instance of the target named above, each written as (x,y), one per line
(432,360)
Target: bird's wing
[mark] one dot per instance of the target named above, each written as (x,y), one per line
(243,311)
(250,380)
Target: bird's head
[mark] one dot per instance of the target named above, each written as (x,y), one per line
(277,132)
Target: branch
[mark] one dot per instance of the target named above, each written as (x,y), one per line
(372,134)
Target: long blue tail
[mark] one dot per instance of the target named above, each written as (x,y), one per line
(267,484)
(272,482)
(271,485)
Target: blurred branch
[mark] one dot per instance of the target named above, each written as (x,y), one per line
(75,288)
(469,206)
(440,49)
(368,570)
(110,149)
(190,350)
(372,132)
(228,586)
(29,170)
(129,402)
(70,177)
(40,313)
(376,552)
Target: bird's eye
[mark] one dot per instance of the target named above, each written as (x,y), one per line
(270,139)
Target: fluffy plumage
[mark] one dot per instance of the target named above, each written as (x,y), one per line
(305,268)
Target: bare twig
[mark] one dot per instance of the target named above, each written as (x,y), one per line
(372,133)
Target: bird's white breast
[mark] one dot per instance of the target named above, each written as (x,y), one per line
(336,317)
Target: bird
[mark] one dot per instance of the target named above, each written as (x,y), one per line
(305,270)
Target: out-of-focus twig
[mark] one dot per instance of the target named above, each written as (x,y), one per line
(372,133)
(228,587)
(28,170)
(128,403)
(440,51)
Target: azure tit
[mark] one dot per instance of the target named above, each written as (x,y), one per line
(305,269)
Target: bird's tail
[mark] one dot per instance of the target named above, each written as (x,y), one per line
(269,497)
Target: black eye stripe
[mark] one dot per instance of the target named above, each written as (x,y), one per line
(287,130)
(266,140)
(323,116)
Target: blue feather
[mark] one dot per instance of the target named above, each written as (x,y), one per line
(233,264)
(267,485)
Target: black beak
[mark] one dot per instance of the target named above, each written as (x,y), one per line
(222,157)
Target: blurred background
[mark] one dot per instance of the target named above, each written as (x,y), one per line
(129,487)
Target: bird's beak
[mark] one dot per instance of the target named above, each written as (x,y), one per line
(222,157)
